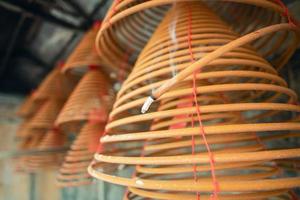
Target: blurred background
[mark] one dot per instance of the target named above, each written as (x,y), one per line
(35,35)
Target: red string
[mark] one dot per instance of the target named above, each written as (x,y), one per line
(97,115)
(55,129)
(114,10)
(192,115)
(100,145)
(294,196)
(93,67)
(214,196)
(286,13)
(97,24)
(61,64)
(94,143)
(33,93)
(179,125)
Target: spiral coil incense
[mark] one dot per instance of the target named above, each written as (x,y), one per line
(28,143)
(56,85)
(46,115)
(90,102)
(29,107)
(51,140)
(90,95)
(208,133)
(73,171)
(129,24)
(126,29)
(25,130)
(84,54)
(32,141)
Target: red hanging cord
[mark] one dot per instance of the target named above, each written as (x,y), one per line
(114,10)
(55,129)
(97,24)
(61,64)
(294,195)
(192,97)
(286,13)
(93,67)
(214,196)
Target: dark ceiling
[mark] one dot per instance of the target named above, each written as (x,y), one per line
(36,34)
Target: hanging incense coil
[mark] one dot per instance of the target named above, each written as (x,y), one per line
(91,95)
(73,171)
(56,85)
(32,141)
(28,143)
(29,107)
(118,39)
(51,141)
(84,54)
(129,24)
(25,131)
(46,115)
(208,131)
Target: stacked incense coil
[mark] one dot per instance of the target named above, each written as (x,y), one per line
(125,31)
(29,107)
(88,108)
(47,114)
(129,24)
(248,16)
(91,94)
(27,110)
(28,142)
(56,85)
(207,135)
(52,140)
(73,171)
(36,131)
(84,54)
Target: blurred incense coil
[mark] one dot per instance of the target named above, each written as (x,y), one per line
(84,55)
(73,171)
(56,85)
(217,120)
(25,131)
(29,142)
(52,140)
(29,107)
(32,141)
(91,95)
(45,117)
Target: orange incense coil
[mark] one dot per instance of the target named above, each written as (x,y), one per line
(121,33)
(56,85)
(208,131)
(24,130)
(46,115)
(73,171)
(29,107)
(84,54)
(28,143)
(124,26)
(52,140)
(32,141)
(91,95)
(250,16)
